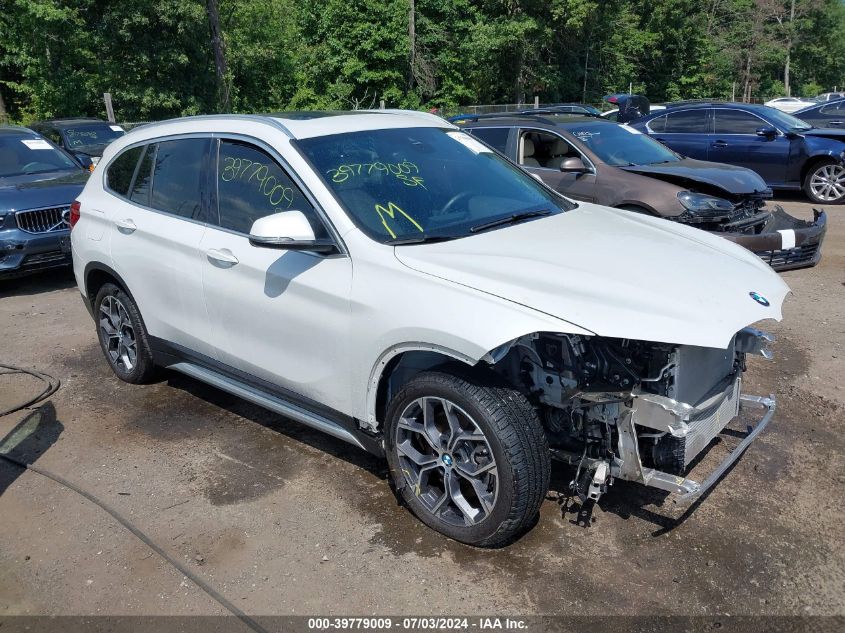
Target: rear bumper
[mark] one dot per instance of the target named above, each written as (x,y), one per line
(786,242)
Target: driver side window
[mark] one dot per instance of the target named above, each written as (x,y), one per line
(250,185)
(545,150)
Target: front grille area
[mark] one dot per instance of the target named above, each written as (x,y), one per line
(792,256)
(42,220)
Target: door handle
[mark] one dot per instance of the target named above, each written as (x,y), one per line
(222,255)
(126,225)
(834,122)
(718,144)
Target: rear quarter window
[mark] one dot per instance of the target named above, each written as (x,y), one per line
(495,137)
(120,172)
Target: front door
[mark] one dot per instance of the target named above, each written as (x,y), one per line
(541,153)
(281,316)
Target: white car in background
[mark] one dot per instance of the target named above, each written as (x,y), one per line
(789,104)
(390,280)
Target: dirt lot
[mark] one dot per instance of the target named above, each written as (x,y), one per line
(283,520)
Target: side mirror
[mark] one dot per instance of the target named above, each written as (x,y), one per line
(573,165)
(767,132)
(85,161)
(288,230)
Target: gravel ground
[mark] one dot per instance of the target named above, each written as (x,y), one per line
(283,520)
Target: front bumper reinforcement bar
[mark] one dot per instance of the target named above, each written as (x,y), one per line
(691,490)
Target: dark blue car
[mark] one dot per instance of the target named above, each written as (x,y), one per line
(827,114)
(787,152)
(38,183)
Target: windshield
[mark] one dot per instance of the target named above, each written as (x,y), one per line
(423,182)
(90,135)
(785,121)
(622,145)
(21,155)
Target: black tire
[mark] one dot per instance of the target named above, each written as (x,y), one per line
(140,369)
(815,169)
(513,434)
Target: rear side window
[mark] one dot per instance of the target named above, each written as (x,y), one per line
(177,176)
(120,172)
(140,190)
(252,185)
(837,108)
(495,137)
(686,122)
(737,122)
(657,124)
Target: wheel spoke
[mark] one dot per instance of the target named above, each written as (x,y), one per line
(420,459)
(435,437)
(485,497)
(471,470)
(453,486)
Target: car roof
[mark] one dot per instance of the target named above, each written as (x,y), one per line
(16,130)
(304,124)
(707,103)
(71,121)
(550,121)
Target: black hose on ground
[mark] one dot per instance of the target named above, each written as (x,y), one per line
(51,386)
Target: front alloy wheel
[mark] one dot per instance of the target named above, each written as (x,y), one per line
(446,459)
(826,183)
(467,454)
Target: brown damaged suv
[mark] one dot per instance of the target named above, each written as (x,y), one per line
(586,158)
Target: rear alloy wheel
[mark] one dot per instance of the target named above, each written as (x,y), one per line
(825,182)
(469,458)
(122,335)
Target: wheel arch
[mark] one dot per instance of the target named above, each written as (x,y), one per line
(96,275)
(404,361)
(815,160)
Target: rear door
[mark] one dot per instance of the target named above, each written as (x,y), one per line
(495,137)
(829,115)
(685,131)
(155,240)
(278,315)
(736,142)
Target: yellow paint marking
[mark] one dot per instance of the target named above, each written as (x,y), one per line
(391,210)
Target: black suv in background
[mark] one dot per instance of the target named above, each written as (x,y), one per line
(85,139)
(38,184)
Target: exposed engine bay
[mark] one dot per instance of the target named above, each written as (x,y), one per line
(636,410)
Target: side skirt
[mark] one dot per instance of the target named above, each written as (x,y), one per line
(258,392)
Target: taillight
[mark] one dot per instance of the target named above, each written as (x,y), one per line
(74,213)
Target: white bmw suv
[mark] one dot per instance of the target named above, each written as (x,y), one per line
(392,281)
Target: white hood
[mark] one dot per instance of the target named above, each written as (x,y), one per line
(614,273)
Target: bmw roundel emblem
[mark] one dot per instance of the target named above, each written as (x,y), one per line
(759,299)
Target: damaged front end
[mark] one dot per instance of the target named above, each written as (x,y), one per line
(636,410)
(779,239)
